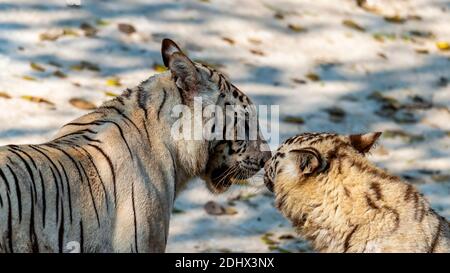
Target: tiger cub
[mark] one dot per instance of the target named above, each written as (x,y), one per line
(341,202)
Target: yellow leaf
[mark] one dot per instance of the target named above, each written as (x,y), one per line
(110,94)
(37,100)
(82,104)
(101,22)
(37,67)
(267,239)
(76,67)
(4,95)
(113,82)
(28,78)
(159,68)
(444,46)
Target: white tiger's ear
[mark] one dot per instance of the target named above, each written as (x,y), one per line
(182,68)
(308,160)
(364,142)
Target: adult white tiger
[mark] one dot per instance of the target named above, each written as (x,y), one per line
(109,179)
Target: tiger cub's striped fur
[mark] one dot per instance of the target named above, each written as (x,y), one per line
(107,181)
(343,203)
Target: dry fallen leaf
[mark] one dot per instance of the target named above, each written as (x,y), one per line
(88,29)
(396,19)
(59,74)
(278,15)
(440,177)
(85,65)
(255,41)
(351,24)
(444,46)
(126,28)
(286,237)
(257,52)
(279,249)
(381,37)
(267,239)
(407,137)
(336,114)
(228,40)
(37,67)
(382,55)
(70,32)
(293,119)
(38,100)
(230,211)
(299,81)
(82,104)
(296,28)
(421,34)
(422,51)
(51,35)
(28,78)
(4,95)
(313,77)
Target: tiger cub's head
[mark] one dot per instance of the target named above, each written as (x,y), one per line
(305,167)
(226,159)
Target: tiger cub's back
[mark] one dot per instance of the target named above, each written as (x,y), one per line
(343,203)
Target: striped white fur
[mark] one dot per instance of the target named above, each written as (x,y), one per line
(108,180)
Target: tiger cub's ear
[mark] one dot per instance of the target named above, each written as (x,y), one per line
(308,160)
(180,65)
(364,142)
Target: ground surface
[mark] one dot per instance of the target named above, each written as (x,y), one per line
(331,65)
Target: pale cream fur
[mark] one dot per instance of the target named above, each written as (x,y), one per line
(353,206)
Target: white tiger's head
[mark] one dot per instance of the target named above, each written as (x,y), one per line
(228,160)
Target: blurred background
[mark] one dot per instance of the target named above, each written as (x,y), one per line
(345,66)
